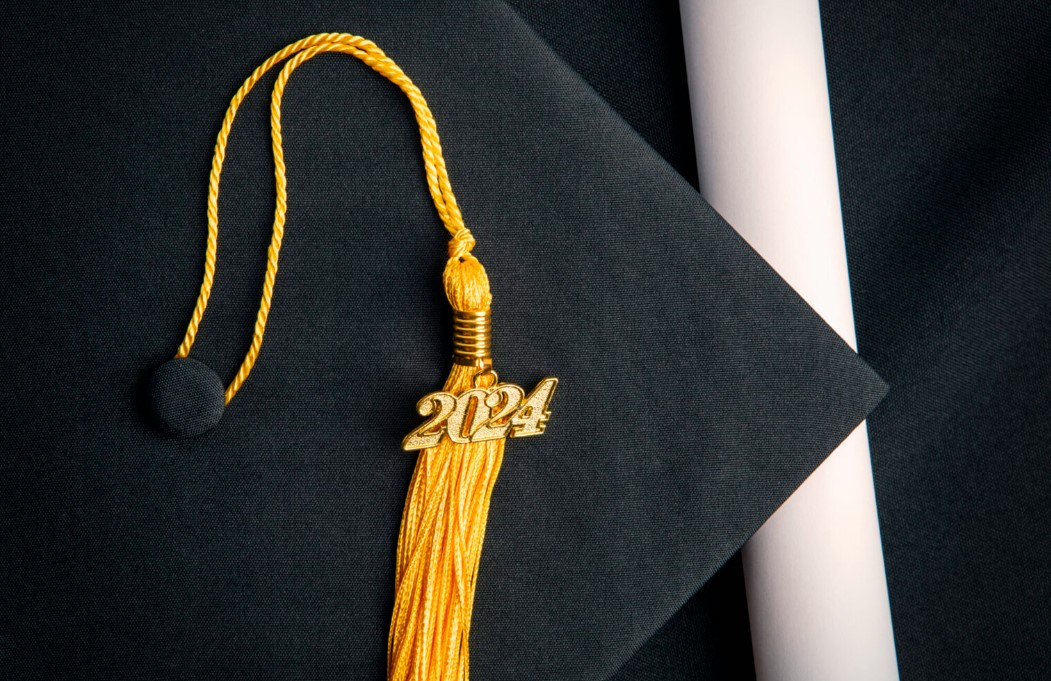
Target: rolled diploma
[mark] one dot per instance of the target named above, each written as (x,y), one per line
(814,575)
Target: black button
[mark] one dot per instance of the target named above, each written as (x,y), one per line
(186,397)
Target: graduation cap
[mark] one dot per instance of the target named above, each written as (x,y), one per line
(697,390)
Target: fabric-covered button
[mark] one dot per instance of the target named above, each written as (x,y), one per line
(186,397)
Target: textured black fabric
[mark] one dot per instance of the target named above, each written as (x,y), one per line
(631,53)
(185,398)
(942,117)
(708,638)
(941,114)
(696,391)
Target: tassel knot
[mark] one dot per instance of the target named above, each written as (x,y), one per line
(461,244)
(466,284)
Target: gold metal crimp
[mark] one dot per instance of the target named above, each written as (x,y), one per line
(472,337)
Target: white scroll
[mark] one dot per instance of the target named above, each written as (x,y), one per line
(817,592)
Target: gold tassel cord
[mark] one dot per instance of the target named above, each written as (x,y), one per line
(461,449)
(434,164)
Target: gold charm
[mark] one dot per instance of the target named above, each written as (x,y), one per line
(480,414)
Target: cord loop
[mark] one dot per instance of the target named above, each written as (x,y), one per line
(434,164)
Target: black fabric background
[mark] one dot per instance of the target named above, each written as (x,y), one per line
(697,391)
(942,119)
(943,130)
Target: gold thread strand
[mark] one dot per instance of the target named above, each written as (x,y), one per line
(436,174)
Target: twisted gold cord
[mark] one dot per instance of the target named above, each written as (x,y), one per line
(437,178)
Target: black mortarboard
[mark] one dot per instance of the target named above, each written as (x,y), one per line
(697,390)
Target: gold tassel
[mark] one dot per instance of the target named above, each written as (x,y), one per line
(462,445)
(444,523)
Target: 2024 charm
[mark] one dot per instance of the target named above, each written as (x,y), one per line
(480,414)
